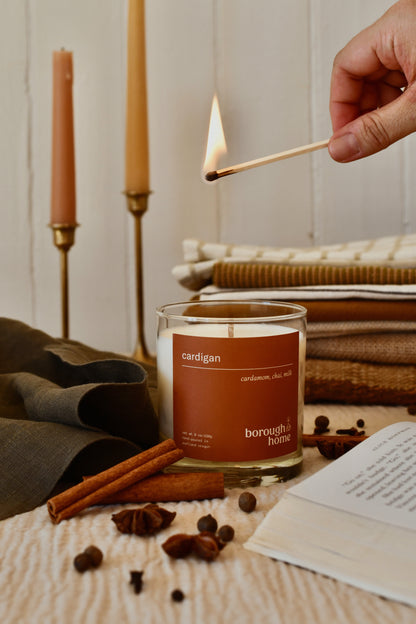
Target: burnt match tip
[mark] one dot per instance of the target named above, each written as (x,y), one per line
(211,176)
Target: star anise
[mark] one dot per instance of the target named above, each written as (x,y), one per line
(146,520)
(205,545)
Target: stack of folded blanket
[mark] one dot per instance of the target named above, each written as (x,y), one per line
(361,303)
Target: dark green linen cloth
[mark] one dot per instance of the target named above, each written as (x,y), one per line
(66,410)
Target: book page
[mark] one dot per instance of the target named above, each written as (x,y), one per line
(376,479)
(370,555)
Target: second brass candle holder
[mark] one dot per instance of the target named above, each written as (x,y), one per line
(63,239)
(137,206)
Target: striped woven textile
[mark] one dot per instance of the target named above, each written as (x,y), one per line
(257,275)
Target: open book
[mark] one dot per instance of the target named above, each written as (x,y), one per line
(354,520)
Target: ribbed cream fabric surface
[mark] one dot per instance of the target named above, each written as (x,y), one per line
(39,583)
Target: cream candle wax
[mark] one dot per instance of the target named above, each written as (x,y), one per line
(230,379)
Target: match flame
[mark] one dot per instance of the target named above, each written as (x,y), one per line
(216,145)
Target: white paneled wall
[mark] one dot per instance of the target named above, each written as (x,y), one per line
(270,63)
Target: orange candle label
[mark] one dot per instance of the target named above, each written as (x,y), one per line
(236,399)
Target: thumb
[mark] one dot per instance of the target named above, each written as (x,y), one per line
(376,130)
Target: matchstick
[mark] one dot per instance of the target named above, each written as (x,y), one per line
(296,151)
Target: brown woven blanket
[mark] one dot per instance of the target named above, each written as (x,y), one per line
(381,348)
(359,310)
(359,383)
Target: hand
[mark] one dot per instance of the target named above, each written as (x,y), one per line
(373,86)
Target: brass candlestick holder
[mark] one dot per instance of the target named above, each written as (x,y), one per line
(137,206)
(63,239)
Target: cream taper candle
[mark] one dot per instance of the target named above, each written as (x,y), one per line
(137,148)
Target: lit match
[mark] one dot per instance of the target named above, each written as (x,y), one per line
(216,148)
(259,162)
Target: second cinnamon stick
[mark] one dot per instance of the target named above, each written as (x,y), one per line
(160,488)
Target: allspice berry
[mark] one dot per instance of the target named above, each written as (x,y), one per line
(91,557)
(95,555)
(207,523)
(226,533)
(321,424)
(82,562)
(247,502)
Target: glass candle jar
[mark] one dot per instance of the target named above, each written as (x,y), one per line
(231,384)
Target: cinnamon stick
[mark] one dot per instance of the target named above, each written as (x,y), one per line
(70,502)
(332,446)
(333,450)
(160,488)
(314,439)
